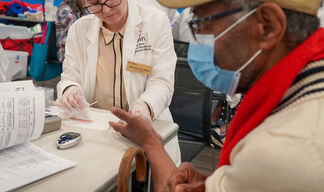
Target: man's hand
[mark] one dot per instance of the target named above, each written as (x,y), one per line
(141,132)
(135,129)
(186,179)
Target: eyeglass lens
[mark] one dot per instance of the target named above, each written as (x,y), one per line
(98,7)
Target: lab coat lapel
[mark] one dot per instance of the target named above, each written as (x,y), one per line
(129,44)
(92,55)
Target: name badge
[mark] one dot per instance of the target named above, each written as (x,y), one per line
(139,68)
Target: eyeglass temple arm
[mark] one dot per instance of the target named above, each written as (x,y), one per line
(196,21)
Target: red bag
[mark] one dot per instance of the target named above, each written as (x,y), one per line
(20,44)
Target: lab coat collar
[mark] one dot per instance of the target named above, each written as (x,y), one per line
(109,35)
(93,31)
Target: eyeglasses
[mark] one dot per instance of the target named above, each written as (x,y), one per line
(194,23)
(98,7)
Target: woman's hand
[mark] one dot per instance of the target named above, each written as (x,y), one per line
(72,99)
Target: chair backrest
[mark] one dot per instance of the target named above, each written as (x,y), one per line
(191,104)
(185,82)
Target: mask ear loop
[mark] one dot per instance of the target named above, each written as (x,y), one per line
(249,61)
(234,24)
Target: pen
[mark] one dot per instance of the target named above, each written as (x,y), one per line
(93,103)
(47,110)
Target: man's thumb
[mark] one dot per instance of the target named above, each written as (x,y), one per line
(192,187)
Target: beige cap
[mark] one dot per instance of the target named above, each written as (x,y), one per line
(305,6)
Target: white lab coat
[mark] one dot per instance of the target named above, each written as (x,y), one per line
(181,30)
(143,23)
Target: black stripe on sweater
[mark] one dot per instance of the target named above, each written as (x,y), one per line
(308,73)
(300,89)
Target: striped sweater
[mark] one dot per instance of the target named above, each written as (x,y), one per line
(285,153)
(308,82)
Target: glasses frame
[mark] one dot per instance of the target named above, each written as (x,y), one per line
(194,23)
(86,8)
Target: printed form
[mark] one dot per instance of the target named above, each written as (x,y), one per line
(21,113)
(25,163)
(22,117)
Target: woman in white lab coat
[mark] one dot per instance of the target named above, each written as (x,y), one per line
(147,42)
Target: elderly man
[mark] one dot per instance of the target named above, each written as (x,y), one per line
(275,49)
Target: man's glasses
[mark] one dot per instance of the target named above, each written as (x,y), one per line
(194,23)
(98,7)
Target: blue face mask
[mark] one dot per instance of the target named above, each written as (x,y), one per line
(201,61)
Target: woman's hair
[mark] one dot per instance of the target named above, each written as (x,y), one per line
(73,5)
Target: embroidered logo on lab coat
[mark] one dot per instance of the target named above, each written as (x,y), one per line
(142,43)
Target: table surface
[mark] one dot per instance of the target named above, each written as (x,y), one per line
(97,156)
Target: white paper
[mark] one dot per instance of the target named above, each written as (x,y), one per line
(21,113)
(93,120)
(99,121)
(17,86)
(25,163)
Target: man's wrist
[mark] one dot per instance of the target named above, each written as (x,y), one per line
(153,142)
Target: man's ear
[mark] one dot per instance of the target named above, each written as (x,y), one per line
(83,3)
(272,25)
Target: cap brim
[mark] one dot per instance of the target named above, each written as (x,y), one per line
(182,3)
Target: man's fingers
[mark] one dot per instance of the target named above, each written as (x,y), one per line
(179,176)
(185,174)
(166,189)
(193,187)
(119,126)
(121,114)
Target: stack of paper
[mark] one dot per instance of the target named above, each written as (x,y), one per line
(22,109)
